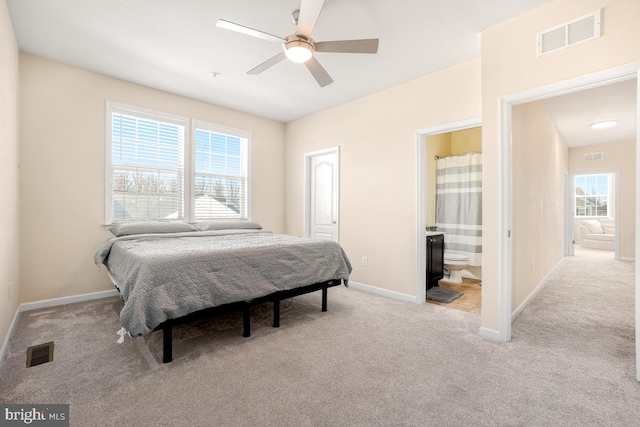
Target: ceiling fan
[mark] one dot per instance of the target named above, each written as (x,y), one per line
(300,47)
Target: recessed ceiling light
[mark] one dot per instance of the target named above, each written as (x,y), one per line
(604,124)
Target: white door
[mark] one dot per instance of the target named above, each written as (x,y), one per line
(321,197)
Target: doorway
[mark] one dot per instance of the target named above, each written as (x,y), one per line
(454,208)
(321,194)
(593,207)
(506,266)
(423,180)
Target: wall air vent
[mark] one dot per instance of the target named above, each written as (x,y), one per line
(590,157)
(564,35)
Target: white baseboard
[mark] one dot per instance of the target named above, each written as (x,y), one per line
(491,334)
(9,331)
(626,259)
(382,292)
(28,306)
(538,288)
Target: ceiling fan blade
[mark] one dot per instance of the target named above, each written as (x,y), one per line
(309,12)
(227,25)
(348,46)
(267,64)
(319,73)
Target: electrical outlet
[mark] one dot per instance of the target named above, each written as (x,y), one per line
(10,289)
(365,261)
(533,265)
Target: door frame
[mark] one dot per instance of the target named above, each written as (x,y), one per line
(306,210)
(421,196)
(505,285)
(569,209)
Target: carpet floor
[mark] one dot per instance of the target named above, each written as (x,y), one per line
(368,361)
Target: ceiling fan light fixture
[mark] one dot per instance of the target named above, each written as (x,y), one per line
(298,49)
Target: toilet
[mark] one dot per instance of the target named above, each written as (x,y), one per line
(454,263)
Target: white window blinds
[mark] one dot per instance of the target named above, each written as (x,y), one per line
(221,178)
(147,165)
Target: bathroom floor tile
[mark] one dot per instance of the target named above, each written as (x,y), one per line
(470,302)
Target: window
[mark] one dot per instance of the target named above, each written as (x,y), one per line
(220,183)
(592,195)
(151,175)
(147,165)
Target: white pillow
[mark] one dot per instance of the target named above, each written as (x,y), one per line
(227,225)
(128,228)
(593,225)
(608,225)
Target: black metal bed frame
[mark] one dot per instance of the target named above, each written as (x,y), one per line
(275,298)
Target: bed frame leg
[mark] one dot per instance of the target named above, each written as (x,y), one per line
(324,299)
(276,313)
(167,344)
(246,321)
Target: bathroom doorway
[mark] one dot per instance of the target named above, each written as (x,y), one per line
(449,170)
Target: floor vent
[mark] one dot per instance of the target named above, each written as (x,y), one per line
(39,354)
(564,35)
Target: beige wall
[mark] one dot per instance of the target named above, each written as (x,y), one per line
(377,140)
(63,170)
(617,156)
(510,65)
(538,185)
(464,141)
(9,179)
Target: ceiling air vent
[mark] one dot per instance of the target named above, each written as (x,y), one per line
(570,33)
(590,157)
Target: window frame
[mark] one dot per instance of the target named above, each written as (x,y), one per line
(188,167)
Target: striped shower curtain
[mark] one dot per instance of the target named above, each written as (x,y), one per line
(459,204)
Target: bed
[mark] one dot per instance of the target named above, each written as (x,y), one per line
(168,273)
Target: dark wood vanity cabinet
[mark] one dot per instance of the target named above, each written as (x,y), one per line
(435,259)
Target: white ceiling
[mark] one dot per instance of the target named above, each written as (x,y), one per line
(175,45)
(573,113)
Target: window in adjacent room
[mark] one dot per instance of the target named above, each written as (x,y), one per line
(155,171)
(593,195)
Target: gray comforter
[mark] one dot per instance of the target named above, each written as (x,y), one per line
(166,276)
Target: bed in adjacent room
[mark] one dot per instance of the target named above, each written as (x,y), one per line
(171,272)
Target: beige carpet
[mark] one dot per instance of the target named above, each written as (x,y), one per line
(368,361)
